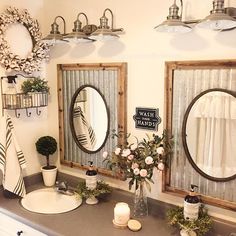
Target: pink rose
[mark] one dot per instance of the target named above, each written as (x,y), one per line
(148,160)
(130,157)
(136,171)
(134,166)
(160,150)
(161,166)
(143,172)
(105,155)
(126,152)
(117,151)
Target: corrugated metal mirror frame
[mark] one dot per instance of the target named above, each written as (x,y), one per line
(184,80)
(111,80)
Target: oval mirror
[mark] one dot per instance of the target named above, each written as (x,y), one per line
(209,134)
(89,119)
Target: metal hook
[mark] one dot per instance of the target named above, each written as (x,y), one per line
(17,114)
(27,112)
(38,112)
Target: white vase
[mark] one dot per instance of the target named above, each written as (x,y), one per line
(184,232)
(92,200)
(49,176)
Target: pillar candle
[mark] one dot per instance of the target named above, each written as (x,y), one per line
(121,213)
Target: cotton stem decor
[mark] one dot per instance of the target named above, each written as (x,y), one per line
(40,50)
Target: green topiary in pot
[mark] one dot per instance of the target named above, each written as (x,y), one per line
(46,146)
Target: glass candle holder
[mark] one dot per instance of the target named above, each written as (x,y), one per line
(121,214)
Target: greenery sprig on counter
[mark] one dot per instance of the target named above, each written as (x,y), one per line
(201,226)
(83,191)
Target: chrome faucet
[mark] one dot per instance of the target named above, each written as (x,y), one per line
(62,187)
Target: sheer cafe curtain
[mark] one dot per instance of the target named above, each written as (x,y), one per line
(215,117)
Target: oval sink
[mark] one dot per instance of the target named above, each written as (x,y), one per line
(49,201)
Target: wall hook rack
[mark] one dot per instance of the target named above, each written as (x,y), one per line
(25,101)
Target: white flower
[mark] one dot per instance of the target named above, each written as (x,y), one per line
(134,166)
(143,172)
(160,150)
(133,146)
(126,152)
(130,157)
(117,151)
(105,155)
(148,160)
(136,171)
(161,166)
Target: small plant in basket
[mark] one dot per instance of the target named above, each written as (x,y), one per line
(35,85)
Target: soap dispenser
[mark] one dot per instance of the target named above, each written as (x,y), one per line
(191,204)
(91,177)
(11,99)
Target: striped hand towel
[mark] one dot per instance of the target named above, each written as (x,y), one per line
(84,132)
(12,160)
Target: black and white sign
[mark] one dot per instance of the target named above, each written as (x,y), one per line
(147,118)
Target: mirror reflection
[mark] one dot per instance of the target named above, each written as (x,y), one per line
(210,123)
(89,119)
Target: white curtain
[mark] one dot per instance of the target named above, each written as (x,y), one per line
(215,118)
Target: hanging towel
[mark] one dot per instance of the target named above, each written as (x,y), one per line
(84,132)
(12,160)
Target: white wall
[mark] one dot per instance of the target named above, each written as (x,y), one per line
(145,51)
(28,129)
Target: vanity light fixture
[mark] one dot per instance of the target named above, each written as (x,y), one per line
(79,34)
(104,32)
(220,18)
(55,36)
(174,23)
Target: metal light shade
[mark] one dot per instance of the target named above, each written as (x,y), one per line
(173,26)
(103,35)
(174,23)
(218,19)
(104,32)
(77,35)
(55,36)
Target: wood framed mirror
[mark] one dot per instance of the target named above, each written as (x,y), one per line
(89,119)
(105,84)
(184,82)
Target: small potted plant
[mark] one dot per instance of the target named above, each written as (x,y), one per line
(38,88)
(47,146)
(198,227)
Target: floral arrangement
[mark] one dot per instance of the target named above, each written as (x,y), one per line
(35,85)
(137,161)
(83,191)
(201,226)
(40,50)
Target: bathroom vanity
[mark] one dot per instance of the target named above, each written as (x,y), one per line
(85,220)
(91,219)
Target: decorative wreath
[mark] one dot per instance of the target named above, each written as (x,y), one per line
(39,52)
